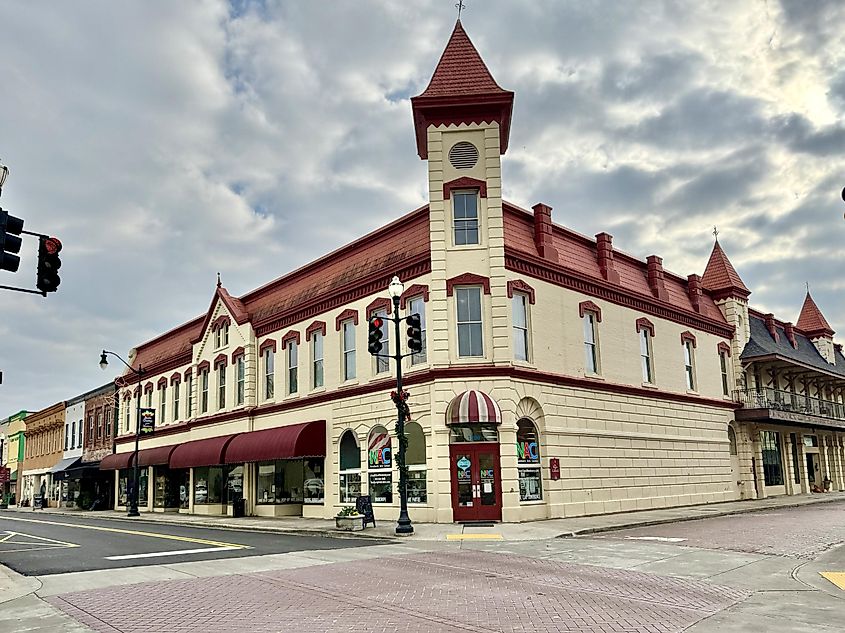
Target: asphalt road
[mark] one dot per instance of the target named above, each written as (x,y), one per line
(36,545)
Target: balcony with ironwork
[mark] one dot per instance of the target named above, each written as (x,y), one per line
(787,407)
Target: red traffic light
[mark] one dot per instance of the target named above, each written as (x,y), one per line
(52,245)
(377,322)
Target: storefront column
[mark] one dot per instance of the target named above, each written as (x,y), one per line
(824,459)
(788,468)
(836,475)
(841,452)
(745,451)
(758,460)
(802,465)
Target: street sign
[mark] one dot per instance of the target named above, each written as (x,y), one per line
(148,421)
(554,467)
(5,474)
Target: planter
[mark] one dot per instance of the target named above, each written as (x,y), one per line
(350,523)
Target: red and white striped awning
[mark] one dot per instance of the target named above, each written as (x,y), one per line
(474,406)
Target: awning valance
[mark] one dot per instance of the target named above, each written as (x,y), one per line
(64,464)
(207,452)
(116,461)
(473,407)
(286,442)
(155,456)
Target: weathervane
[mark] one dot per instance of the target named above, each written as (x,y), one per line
(716,233)
(219,283)
(460,6)
(807,283)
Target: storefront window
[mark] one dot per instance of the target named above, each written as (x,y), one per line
(122,487)
(473,433)
(234,483)
(772,466)
(350,468)
(528,460)
(312,486)
(183,479)
(380,463)
(208,484)
(280,481)
(166,488)
(415,458)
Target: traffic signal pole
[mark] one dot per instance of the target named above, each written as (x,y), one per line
(403,523)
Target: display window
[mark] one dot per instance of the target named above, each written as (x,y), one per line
(415,459)
(380,464)
(208,485)
(528,461)
(350,469)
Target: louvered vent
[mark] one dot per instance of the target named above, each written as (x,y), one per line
(463,155)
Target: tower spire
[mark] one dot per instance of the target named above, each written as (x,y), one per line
(720,277)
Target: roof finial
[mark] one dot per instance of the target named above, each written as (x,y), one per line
(219,283)
(460,6)
(807,284)
(716,233)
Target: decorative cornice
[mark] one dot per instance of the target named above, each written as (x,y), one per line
(346,315)
(460,373)
(162,382)
(148,388)
(223,319)
(412,291)
(203,366)
(644,324)
(688,336)
(533,266)
(293,335)
(175,377)
(517,285)
(239,351)
(376,305)
(724,347)
(467,279)
(188,373)
(589,306)
(221,359)
(464,182)
(269,343)
(316,326)
(127,395)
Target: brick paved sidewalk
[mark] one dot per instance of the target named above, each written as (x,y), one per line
(535,530)
(430,592)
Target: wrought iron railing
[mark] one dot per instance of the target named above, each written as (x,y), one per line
(780,400)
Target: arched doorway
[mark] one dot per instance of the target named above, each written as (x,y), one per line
(473,418)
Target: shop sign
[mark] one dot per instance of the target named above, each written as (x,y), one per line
(148,421)
(379,453)
(364,505)
(5,475)
(554,467)
(528,452)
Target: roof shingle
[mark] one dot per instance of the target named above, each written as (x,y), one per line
(811,319)
(720,275)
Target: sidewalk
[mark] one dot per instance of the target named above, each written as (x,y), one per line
(536,530)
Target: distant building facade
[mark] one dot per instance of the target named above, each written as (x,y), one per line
(43,450)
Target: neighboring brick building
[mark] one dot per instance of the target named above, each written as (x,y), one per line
(44,433)
(100,412)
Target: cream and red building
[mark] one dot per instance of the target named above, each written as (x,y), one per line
(43,451)
(560,376)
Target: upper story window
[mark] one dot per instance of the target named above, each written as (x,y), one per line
(79,439)
(162,404)
(519,309)
(150,397)
(382,362)
(204,391)
(221,336)
(99,425)
(67,436)
(645,355)
(317,359)
(189,389)
(723,365)
(417,306)
(348,342)
(176,389)
(591,346)
(470,330)
(689,364)
(269,372)
(91,427)
(465,217)
(292,354)
(73,434)
(240,370)
(221,386)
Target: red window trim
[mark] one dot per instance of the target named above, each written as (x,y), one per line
(293,335)
(644,324)
(175,378)
(188,373)
(162,382)
(724,347)
(270,343)
(148,388)
(413,291)
(464,182)
(203,365)
(221,320)
(467,279)
(316,326)
(517,285)
(346,315)
(239,351)
(589,306)
(688,336)
(221,359)
(377,305)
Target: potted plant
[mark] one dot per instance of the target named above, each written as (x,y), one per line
(348,519)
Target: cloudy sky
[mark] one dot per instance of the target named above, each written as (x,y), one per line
(165,141)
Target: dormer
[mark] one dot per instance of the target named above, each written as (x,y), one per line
(812,322)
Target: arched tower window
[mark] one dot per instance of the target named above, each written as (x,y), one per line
(528,460)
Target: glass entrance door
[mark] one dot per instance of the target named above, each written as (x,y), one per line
(476,489)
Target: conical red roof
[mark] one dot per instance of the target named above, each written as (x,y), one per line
(720,276)
(811,319)
(461,71)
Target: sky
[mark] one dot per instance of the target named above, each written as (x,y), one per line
(164,142)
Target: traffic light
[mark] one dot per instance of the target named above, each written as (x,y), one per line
(10,243)
(414,333)
(376,323)
(47,276)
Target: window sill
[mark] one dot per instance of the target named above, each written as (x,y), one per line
(593,376)
(692,392)
(523,363)
(318,389)
(650,385)
(352,382)
(536,502)
(469,247)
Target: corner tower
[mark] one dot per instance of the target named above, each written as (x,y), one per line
(462,125)
(817,329)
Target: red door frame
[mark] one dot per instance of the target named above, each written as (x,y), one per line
(477,512)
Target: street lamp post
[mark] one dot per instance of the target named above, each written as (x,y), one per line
(403,524)
(133,498)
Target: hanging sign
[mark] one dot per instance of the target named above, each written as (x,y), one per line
(554,467)
(148,421)
(379,453)
(528,452)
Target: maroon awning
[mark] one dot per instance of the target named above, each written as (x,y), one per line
(207,452)
(286,442)
(155,456)
(116,461)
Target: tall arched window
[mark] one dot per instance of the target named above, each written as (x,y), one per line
(350,468)
(415,458)
(380,464)
(528,460)
(732,439)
